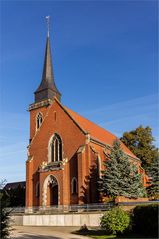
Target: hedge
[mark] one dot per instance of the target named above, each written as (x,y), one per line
(145,220)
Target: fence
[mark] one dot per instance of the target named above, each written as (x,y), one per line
(57,209)
(63,208)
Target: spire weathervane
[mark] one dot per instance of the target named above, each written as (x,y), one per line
(48,25)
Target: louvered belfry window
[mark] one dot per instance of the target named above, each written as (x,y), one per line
(56,149)
(39,120)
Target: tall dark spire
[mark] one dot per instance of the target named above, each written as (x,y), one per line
(47,88)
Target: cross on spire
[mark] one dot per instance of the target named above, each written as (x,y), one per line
(48,25)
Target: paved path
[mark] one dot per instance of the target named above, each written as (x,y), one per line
(24,232)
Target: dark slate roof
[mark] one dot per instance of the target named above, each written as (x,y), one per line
(47,88)
(14,185)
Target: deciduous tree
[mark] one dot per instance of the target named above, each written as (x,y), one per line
(141,142)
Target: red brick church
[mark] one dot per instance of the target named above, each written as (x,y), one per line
(66,151)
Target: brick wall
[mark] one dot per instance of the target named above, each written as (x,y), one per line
(56,120)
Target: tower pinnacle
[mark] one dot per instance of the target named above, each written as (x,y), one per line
(48,25)
(47,88)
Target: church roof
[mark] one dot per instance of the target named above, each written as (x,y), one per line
(96,132)
(47,88)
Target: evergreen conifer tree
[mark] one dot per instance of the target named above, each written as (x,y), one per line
(121,177)
(153,189)
(4,215)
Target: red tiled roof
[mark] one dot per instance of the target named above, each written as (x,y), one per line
(96,131)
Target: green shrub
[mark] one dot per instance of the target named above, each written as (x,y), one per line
(145,220)
(115,221)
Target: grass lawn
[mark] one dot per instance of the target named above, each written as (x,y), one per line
(115,237)
(100,234)
(103,236)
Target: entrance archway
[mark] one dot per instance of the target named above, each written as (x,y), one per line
(52,195)
(50,191)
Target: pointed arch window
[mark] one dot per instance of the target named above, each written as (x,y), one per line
(39,120)
(74,186)
(99,166)
(37,189)
(56,149)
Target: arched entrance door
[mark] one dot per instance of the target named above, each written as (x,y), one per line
(53,194)
(50,191)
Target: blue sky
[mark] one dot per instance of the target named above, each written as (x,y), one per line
(105,66)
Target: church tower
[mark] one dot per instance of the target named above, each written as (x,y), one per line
(44,96)
(45,93)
